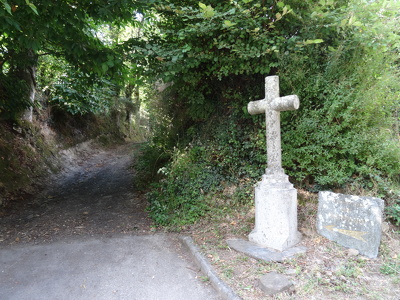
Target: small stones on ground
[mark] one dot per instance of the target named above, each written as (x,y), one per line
(385,227)
(352,252)
(290,271)
(273,283)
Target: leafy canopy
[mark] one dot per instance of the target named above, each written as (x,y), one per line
(340,57)
(67,30)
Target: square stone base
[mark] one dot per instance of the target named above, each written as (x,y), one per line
(253,250)
(276,214)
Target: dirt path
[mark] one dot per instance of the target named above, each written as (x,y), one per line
(93,195)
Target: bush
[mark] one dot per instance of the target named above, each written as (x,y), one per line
(226,154)
(179,198)
(343,130)
(13,97)
(393,213)
(339,58)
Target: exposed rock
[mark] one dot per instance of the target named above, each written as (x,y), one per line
(352,252)
(273,283)
(351,221)
(253,250)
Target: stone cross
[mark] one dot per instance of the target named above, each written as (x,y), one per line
(275,197)
(272,105)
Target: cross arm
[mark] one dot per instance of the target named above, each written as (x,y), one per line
(257,107)
(291,102)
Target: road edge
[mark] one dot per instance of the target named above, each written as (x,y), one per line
(220,286)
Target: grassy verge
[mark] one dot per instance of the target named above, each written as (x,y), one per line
(326,271)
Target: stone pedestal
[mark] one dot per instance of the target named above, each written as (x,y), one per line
(276,213)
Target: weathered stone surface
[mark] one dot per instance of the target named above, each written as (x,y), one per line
(352,252)
(275,197)
(276,214)
(352,221)
(272,105)
(256,251)
(273,283)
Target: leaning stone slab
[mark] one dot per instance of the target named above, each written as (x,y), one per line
(351,221)
(254,250)
(274,283)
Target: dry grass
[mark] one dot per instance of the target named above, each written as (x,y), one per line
(326,271)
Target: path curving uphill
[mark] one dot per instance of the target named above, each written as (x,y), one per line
(92,195)
(87,236)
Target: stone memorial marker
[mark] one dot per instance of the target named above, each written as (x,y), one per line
(275,197)
(351,221)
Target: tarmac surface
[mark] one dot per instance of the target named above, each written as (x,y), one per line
(147,267)
(88,236)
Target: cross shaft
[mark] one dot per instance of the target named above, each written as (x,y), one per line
(272,105)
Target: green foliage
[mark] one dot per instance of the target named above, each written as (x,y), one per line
(179,198)
(340,57)
(234,148)
(152,158)
(196,45)
(393,212)
(72,95)
(74,91)
(69,31)
(344,129)
(218,39)
(13,98)
(186,185)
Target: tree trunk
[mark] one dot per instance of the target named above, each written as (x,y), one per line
(138,103)
(26,71)
(29,77)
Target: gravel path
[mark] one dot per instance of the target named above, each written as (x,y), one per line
(93,195)
(87,236)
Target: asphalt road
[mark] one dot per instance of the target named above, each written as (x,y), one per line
(88,236)
(148,267)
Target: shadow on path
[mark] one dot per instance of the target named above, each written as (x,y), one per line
(87,237)
(93,195)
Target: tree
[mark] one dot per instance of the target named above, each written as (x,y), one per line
(340,57)
(64,29)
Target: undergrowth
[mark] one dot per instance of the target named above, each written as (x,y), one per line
(344,136)
(188,182)
(220,167)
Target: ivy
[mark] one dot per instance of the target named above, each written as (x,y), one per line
(339,57)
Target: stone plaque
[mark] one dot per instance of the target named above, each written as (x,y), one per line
(351,221)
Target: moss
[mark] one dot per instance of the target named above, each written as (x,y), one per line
(23,159)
